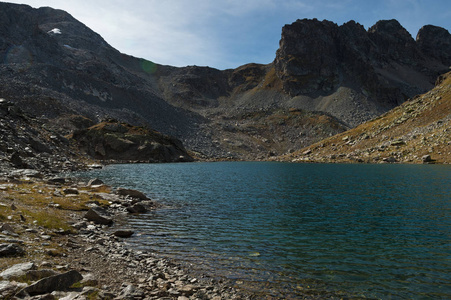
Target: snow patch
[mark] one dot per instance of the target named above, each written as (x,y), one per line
(54,31)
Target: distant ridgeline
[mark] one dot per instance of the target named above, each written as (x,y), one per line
(324,79)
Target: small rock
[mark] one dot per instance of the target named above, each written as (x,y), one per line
(57,180)
(426,158)
(389,159)
(8,289)
(46,237)
(123,233)
(71,191)
(188,289)
(80,225)
(7,250)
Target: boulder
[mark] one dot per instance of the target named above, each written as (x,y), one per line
(6,228)
(426,158)
(59,282)
(131,193)
(99,215)
(7,250)
(131,292)
(16,160)
(17,270)
(137,209)
(8,289)
(95,181)
(71,191)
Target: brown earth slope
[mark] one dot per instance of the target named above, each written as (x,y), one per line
(418,131)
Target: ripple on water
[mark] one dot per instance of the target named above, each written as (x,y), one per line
(292,229)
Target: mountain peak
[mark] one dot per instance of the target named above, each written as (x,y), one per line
(435,42)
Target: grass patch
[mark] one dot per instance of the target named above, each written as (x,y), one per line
(50,219)
(42,196)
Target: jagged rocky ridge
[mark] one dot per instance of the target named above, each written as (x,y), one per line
(344,75)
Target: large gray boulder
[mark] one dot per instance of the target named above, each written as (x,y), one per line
(137,208)
(17,270)
(99,215)
(60,282)
(131,193)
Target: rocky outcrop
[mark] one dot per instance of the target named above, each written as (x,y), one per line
(319,56)
(435,42)
(112,140)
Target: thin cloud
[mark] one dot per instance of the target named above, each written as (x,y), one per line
(228,33)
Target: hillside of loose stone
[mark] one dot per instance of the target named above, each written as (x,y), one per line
(418,131)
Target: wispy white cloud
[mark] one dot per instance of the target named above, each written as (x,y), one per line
(227,33)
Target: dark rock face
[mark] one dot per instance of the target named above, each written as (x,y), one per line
(435,42)
(304,62)
(319,56)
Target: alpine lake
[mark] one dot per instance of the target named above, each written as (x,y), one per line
(286,230)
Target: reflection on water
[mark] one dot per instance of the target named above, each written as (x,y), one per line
(287,229)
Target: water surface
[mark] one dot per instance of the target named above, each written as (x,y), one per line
(373,231)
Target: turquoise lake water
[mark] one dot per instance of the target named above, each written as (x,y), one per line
(373,231)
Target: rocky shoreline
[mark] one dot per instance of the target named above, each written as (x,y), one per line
(56,242)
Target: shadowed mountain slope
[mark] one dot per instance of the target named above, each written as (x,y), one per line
(325,79)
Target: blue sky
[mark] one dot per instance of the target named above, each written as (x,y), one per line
(229,33)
